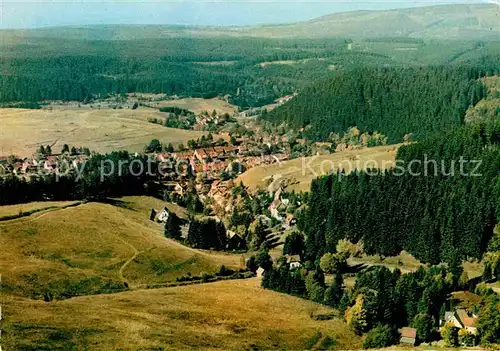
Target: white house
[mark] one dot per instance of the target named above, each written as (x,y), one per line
(163,216)
(451,318)
(293,261)
(461,320)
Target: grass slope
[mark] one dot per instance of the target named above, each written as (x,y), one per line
(95,248)
(13,210)
(102,130)
(198,105)
(228,315)
(299,173)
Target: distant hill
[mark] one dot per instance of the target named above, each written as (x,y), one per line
(478,21)
(473,21)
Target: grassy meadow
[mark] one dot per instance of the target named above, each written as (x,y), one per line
(198,105)
(225,315)
(101,130)
(32,207)
(300,172)
(96,248)
(95,259)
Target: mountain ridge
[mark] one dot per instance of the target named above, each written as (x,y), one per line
(458,21)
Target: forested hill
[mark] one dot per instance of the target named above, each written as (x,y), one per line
(393,101)
(443,211)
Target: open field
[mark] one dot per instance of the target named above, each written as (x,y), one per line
(299,173)
(102,130)
(228,315)
(404,262)
(198,105)
(94,248)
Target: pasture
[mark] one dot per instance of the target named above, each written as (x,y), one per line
(198,105)
(101,130)
(95,248)
(225,315)
(299,173)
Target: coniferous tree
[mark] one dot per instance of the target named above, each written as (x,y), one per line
(172,227)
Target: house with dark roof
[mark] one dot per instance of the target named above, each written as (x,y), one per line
(235,241)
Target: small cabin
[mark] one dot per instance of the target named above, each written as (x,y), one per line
(293,261)
(163,216)
(235,242)
(408,336)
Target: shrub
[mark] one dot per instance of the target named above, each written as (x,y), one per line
(381,336)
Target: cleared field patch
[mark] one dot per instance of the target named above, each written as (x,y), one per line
(300,172)
(101,130)
(228,315)
(95,248)
(215,63)
(198,105)
(404,262)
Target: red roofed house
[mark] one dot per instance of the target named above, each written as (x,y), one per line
(163,157)
(408,336)
(200,154)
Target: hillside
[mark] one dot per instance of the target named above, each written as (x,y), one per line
(299,173)
(109,247)
(101,130)
(477,21)
(392,101)
(466,21)
(225,315)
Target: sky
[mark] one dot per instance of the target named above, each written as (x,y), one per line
(50,13)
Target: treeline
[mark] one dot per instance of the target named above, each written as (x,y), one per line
(176,110)
(37,69)
(440,203)
(102,176)
(379,296)
(393,101)
(382,301)
(207,234)
(79,70)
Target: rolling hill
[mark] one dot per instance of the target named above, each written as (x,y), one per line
(299,173)
(478,21)
(97,261)
(96,248)
(227,315)
(465,21)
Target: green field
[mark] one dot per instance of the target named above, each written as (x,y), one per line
(95,248)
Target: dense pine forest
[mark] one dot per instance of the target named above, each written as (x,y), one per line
(252,71)
(393,101)
(440,203)
(59,69)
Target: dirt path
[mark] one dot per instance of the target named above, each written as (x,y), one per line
(37,215)
(318,345)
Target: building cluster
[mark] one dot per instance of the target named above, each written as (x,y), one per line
(39,164)
(457,318)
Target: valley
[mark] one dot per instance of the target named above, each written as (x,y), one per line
(329,184)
